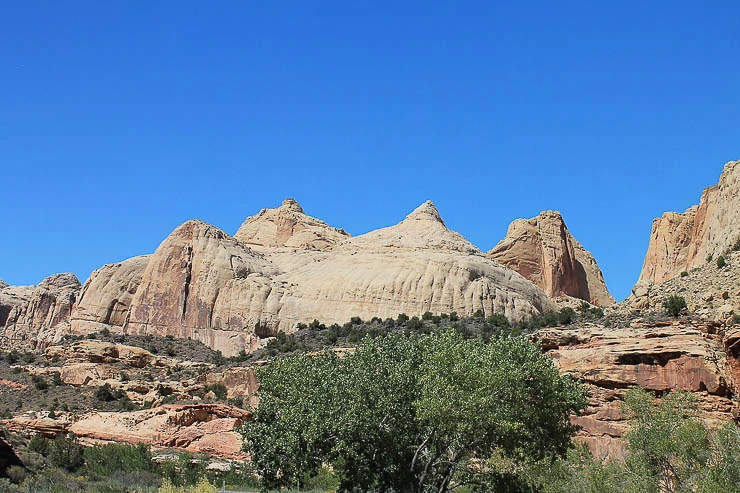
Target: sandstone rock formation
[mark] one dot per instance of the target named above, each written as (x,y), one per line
(197,428)
(34,316)
(710,292)
(660,357)
(288,226)
(543,250)
(682,241)
(106,296)
(204,284)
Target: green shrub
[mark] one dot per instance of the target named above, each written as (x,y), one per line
(566,315)
(39,444)
(218,389)
(674,305)
(12,357)
(56,379)
(66,452)
(104,461)
(721,262)
(597,312)
(498,320)
(684,274)
(106,394)
(39,382)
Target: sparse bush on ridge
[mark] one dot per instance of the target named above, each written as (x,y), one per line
(674,305)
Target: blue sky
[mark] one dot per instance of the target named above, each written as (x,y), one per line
(121,120)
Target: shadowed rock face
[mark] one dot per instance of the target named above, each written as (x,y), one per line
(543,250)
(682,241)
(204,284)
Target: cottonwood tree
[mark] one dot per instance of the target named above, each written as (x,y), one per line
(412,413)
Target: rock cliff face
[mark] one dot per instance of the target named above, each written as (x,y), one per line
(694,356)
(682,241)
(543,250)
(33,316)
(204,284)
(106,296)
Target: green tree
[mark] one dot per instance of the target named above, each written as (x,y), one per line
(674,305)
(65,452)
(668,443)
(104,461)
(411,413)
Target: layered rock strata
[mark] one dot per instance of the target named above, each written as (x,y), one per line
(682,241)
(543,250)
(661,357)
(197,428)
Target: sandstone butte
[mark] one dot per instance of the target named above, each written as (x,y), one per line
(543,250)
(682,241)
(283,267)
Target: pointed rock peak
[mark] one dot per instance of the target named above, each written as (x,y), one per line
(3,284)
(291,205)
(425,212)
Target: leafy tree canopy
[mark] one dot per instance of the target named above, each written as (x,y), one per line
(412,413)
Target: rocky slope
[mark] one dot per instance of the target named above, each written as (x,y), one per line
(284,267)
(543,250)
(682,241)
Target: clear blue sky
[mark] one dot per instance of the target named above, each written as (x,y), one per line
(121,120)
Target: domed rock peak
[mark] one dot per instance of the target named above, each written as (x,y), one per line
(423,228)
(542,250)
(288,226)
(425,212)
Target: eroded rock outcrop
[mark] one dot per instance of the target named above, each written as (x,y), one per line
(197,428)
(106,296)
(660,357)
(682,241)
(34,316)
(543,250)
